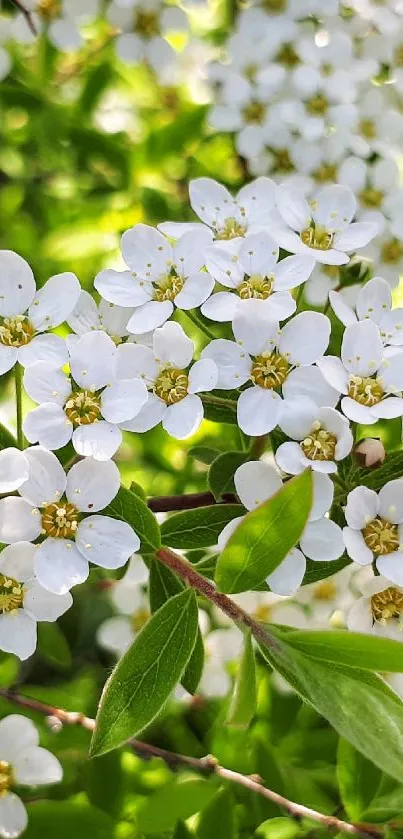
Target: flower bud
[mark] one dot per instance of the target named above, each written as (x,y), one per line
(370,453)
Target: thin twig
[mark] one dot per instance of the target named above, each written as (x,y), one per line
(27,14)
(168,503)
(205,766)
(188,573)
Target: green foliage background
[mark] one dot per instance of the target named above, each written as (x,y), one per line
(68,190)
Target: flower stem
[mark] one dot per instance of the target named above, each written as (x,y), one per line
(199,323)
(18,403)
(217,400)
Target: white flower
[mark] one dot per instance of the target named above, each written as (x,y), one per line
(250,269)
(129,600)
(59,508)
(161,277)
(173,398)
(321,540)
(379,610)
(107,317)
(323,436)
(374,531)
(144,23)
(221,646)
(374,302)
(22,762)
(23,601)
(279,360)
(374,184)
(26,315)
(386,251)
(251,211)
(370,375)
(322,227)
(328,601)
(86,406)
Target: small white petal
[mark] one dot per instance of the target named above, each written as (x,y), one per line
(172,345)
(18,521)
(93,360)
(54,302)
(258,411)
(47,478)
(17,561)
(48,425)
(59,565)
(255,482)
(391,501)
(305,338)
(290,458)
(361,507)
(322,540)
(17,284)
(105,541)
(287,578)
(43,605)
(14,469)
(44,347)
(44,383)
(123,399)
(203,375)
(100,440)
(233,363)
(183,419)
(148,417)
(362,348)
(356,547)
(17,636)
(34,766)
(13,816)
(146,318)
(92,484)
(121,288)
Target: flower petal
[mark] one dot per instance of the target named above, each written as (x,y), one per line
(203,375)
(322,540)
(44,383)
(373,300)
(171,344)
(121,288)
(34,766)
(17,561)
(362,348)
(48,425)
(252,328)
(391,566)
(183,419)
(220,307)
(105,541)
(255,482)
(311,383)
(116,635)
(147,317)
(14,469)
(99,440)
(44,347)
(342,310)
(323,491)
(290,458)
(54,302)
(305,338)
(361,507)
(135,360)
(232,361)
(47,478)
(258,411)
(356,547)
(16,733)
(287,578)
(8,357)
(334,372)
(292,271)
(19,521)
(355,236)
(391,501)
(59,565)
(293,207)
(123,399)
(17,636)
(195,291)
(13,816)
(92,484)
(148,417)
(357,412)
(93,360)
(146,251)
(43,605)
(335,206)
(17,284)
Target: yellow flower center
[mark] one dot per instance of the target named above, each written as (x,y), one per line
(386,605)
(331,271)
(367,128)
(381,536)
(255,112)
(287,56)
(146,23)
(6,777)
(16,331)
(282,161)
(139,619)
(255,288)
(231,230)
(371,197)
(316,236)
(263,613)
(168,287)
(60,520)
(317,105)
(270,371)
(325,172)
(49,9)
(11,594)
(171,385)
(365,390)
(83,407)
(392,251)
(399,56)
(325,590)
(320,444)
(274,5)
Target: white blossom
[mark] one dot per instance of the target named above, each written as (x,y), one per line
(374,528)
(320,437)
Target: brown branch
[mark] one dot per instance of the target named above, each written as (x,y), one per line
(188,573)
(205,766)
(168,503)
(26,14)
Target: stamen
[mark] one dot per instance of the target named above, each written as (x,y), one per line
(60,520)
(270,371)
(171,385)
(381,536)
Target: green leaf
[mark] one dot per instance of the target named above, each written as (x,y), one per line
(358,780)
(316,571)
(221,473)
(163,585)
(280,828)
(128,507)
(205,454)
(218,818)
(96,83)
(182,832)
(371,652)
(377,478)
(243,704)
(7,439)
(144,678)
(358,704)
(177,800)
(104,782)
(198,528)
(265,536)
(66,819)
(221,412)
(52,645)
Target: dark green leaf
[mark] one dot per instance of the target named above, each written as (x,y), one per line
(204,454)
(7,439)
(358,779)
(377,478)
(130,508)
(66,819)
(371,652)
(243,704)
(163,585)
(104,785)
(357,703)
(52,645)
(218,818)
(177,800)
(265,536)
(182,832)
(95,85)
(144,678)
(316,571)
(221,472)
(198,528)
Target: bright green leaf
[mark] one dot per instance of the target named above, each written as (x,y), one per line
(65,819)
(144,678)
(265,536)
(52,645)
(370,652)
(218,818)
(243,702)
(198,528)
(221,472)
(280,828)
(358,779)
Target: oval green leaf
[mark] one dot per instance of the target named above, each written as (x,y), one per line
(198,528)
(130,508)
(265,536)
(148,672)
(370,652)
